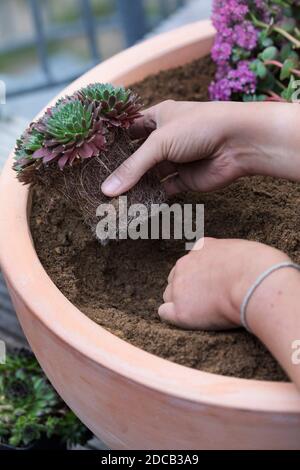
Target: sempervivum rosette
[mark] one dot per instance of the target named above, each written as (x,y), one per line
(79,142)
(67,132)
(76,126)
(119,107)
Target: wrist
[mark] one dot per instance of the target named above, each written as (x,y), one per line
(265,139)
(254,263)
(271,297)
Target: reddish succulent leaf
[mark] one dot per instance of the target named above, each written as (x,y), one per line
(48,158)
(41,153)
(85,151)
(62,161)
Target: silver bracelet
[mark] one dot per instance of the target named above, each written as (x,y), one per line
(257,283)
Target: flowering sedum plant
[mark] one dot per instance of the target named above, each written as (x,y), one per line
(256,49)
(76,128)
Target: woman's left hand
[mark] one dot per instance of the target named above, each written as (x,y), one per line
(207,286)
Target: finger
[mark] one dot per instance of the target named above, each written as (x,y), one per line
(199,244)
(175,185)
(166,169)
(167,295)
(197,176)
(203,243)
(148,122)
(167,313)
(153,118)
(132,170)
(209,174)
(171,275)
(143,126)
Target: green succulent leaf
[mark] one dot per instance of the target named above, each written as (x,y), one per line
(259,68)
(69,121)
(270,53)
(26,146)
(34,142)
(265,40)
(287,68)
(105,92)
(251,98)
(289,91)
(240,54)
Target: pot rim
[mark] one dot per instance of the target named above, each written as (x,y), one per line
(34,288)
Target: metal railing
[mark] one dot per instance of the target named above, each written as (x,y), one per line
(129,15)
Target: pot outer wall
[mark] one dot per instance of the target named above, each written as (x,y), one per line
(129,398)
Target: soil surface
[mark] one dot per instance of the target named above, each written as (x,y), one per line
(120,286)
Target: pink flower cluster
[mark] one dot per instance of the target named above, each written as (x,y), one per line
(234,31)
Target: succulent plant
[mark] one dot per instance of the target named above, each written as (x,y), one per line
(30,407)
(29,142)
(76,128)
(119,107)
(78,143)
(71,130)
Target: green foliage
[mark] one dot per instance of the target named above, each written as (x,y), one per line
(106,92)
(31,409)
(259,68)
(26,146)
(289,91)
(277,66)
(257,49)
(68,122)
(269,53)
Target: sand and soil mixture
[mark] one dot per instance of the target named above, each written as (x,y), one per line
(120,286)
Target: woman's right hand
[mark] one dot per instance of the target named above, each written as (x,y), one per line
(206,146)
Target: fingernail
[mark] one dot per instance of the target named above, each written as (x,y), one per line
(111,185)
(160,310)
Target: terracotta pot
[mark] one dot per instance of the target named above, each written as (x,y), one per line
(129,398)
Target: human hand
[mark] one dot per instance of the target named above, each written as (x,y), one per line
(206,287)
(205,146)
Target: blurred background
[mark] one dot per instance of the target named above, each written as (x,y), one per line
(44,44)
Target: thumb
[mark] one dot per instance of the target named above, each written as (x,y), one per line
(132,170)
